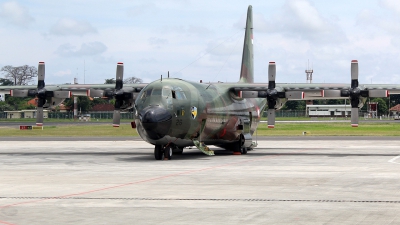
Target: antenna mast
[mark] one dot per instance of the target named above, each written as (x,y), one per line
(309,73)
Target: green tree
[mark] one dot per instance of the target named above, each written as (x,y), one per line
(110,81)
(382,106)
(132,80)
(5,82)
(294,105)
(4,106)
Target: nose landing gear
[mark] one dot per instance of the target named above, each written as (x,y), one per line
(161,152)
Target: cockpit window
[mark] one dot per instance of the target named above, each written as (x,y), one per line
(166,92)
(156,92)
(176,93)
(148,91)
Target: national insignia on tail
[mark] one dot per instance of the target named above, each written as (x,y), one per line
(194,112)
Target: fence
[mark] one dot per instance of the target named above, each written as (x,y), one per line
(70,115)
(131,115)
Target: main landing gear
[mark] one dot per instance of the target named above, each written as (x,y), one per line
(161,152)
(238,147)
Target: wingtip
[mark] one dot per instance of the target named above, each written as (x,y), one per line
(115,125)
(271,126)
(354,125)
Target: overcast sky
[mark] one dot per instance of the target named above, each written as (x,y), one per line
(202,39)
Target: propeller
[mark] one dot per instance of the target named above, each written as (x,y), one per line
(40,94)
(119,94)
(272,94)
(355,93)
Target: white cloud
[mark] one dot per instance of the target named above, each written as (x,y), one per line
(299,19)
(87,49)
(393,5)
(67,26)
(15,14)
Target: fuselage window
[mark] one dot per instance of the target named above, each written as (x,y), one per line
(156,92)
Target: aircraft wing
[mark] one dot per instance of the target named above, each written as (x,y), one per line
(273,92)
(52,95)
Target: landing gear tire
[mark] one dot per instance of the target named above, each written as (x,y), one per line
(237,147)
(158,152)
(168,152)
(244,150)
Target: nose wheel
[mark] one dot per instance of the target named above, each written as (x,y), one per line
(158,152)
(161,153)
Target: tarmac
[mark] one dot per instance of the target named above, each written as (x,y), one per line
(286,180)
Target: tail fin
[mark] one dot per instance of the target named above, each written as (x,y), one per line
(247,70)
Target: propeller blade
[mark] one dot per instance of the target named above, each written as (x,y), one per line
(41,75)
(41,94)
(354,73)
(119,76)
(271,75)
(271,118)
(354,117)
(118,94)
(116,118)
(39,116)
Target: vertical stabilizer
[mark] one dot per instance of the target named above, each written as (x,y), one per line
(247,70)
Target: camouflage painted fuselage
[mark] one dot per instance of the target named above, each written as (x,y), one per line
(210,113)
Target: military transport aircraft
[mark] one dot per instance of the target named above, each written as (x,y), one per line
(172,113)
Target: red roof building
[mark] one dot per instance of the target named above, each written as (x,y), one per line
(395,108)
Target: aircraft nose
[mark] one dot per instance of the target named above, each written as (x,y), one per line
(156,121)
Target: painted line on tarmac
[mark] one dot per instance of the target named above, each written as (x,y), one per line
(394,160)
(6,223)
(145,181)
